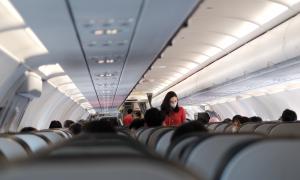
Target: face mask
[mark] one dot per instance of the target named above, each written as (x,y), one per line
(173,105)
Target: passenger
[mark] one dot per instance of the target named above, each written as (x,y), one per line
(68,123)
(99,126)
(28,129)
(174,115)
(227,120)
(203,117)
(135,125)
(256,119)
(55,124)
(127,120)
(236,123)
(190,127)
(288,116)
(154,117)
(75,128)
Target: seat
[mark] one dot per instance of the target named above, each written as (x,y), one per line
(207,157)
(99,144)
(221,127)
(112,168)
(156,134)
(265,128)
(53,137)
(35,142)
(177,148)
(271,159)
(11,149)
(138,132)
(248,127)
(144,136)
(211,127)
(228,129)
(164,142)
(286,129)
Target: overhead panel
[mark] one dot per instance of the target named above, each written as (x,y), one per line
(105,29)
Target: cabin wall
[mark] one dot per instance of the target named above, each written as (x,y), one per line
(52,105)
(269,106)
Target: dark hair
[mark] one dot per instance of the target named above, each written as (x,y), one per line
(203,117)
(28,129)
(154,117)
(137,123)
(289,116)
(99,126)
(256,119)
(245,119)
(129,111)
(75,128)
(55,124)
(190,127)
(165,106)
(227,120)
(138,114)
(68,123)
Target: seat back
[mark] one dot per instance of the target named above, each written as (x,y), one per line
(35,142)
(164,143)
(221,128)
(286,129)
(211,127)
(270,159)
(264,128)
(206,157)
(12,149)
(156,134)
(112,168)
(248,127)
(144,136)
(53,137)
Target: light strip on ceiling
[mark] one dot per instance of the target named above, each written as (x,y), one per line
(13,29)
(63,83)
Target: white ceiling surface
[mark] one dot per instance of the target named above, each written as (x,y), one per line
(156,22)
(216,28)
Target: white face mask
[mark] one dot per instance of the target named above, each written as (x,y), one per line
(173,105)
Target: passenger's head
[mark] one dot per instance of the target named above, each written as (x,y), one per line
(99,126)
(136,124)
(28,129)
(203,117)
(55,124)
(256,119)
(154,117)
(75,128)
(191,127)
(68,123)
(170,103)
(227,120)
(129,111)
(288,116)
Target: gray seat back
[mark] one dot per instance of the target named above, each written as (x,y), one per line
(144,136)
(154,137)
(164,143)
(112,168)
(248,127)
(11,149)
(264,128)
(53,137)
(206,158)
(212,127)
(34,142)
(273,159)
(221,128)
(176,151)
(286,129)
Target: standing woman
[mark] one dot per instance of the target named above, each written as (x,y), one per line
(174,115)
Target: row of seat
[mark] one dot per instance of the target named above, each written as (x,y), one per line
(97,156)
(272,128)
(225,155)
(14,146)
